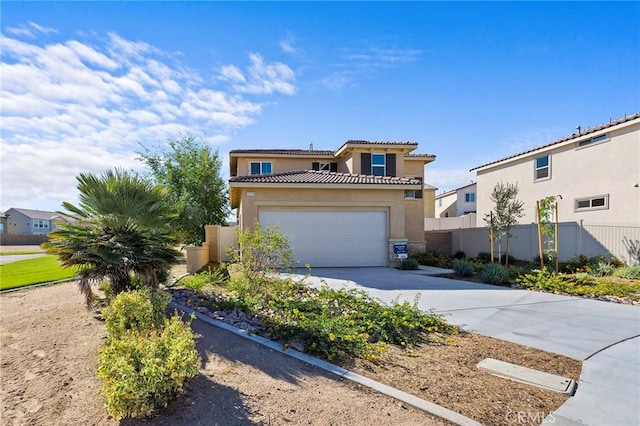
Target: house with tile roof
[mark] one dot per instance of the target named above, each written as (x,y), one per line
(595,171)
(31,222)
(355,206)
(457,202)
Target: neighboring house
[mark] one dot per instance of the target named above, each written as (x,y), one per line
(596,172)
(346,207)
(457,202)
(31,222)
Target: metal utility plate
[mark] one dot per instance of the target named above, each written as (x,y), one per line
(529,376)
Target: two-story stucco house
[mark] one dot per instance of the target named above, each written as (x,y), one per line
(339,208)
(456,202)
(31,222)
(596,172)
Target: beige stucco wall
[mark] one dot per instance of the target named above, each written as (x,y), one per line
(429,201)
(281,164)
(611,167)
(390,200)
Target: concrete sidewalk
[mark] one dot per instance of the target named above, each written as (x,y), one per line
(605,336)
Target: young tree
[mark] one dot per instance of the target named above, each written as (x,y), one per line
(191,172)
(546,228)
(119,232)
(506,211)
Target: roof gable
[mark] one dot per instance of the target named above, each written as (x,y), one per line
(567,138)
(36,214)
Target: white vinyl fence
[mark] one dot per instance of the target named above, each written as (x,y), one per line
(591,239)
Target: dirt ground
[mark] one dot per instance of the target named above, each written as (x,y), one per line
(48,359)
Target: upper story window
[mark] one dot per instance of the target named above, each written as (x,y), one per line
(601,138)
(598,202)
(543,168)
(470,197)
(378,164)
(260,167)
(40,223)
(325,167)
(440,202)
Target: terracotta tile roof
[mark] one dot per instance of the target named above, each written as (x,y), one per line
(316,177)
(351,141)
(590,130)
(420,156)
(282,151)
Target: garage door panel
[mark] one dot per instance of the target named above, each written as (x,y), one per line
(333,238)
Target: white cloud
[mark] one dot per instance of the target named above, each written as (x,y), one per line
(261,78)
(288,45)
(86,105)
(357,62)
(30,30)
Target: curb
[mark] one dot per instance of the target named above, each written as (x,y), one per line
(29,286)
(422,404)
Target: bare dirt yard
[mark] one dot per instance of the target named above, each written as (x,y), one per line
(48,358)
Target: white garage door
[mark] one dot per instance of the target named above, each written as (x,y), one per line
(330,238)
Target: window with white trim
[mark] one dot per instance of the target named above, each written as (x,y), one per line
(440,202)
(543,168)
(260,167)
(40,223)
(598,202)
(470,197)
(597,139)
(379,164)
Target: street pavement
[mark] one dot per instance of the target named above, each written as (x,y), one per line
(604,335)
(10,258)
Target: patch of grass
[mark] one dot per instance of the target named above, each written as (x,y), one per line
(33,271)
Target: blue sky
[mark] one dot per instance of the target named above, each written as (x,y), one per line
(83,84)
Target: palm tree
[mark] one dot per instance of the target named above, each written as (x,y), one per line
(120,231)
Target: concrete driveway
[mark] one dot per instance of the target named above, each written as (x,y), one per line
(604,335)
(4,259)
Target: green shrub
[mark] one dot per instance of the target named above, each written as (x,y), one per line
(459,255)
(409,264)
(629,272)
(198,281)
(494,273)
(582,263)
(143,369)
(504,257)
(484,256)
(345,323)
(579,284)
(136,310)
(603,269)
(463,268)
(432,258)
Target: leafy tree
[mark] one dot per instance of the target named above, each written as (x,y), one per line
(545,218)
(506,211)
(260,252)
(191,172)
(119,232)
